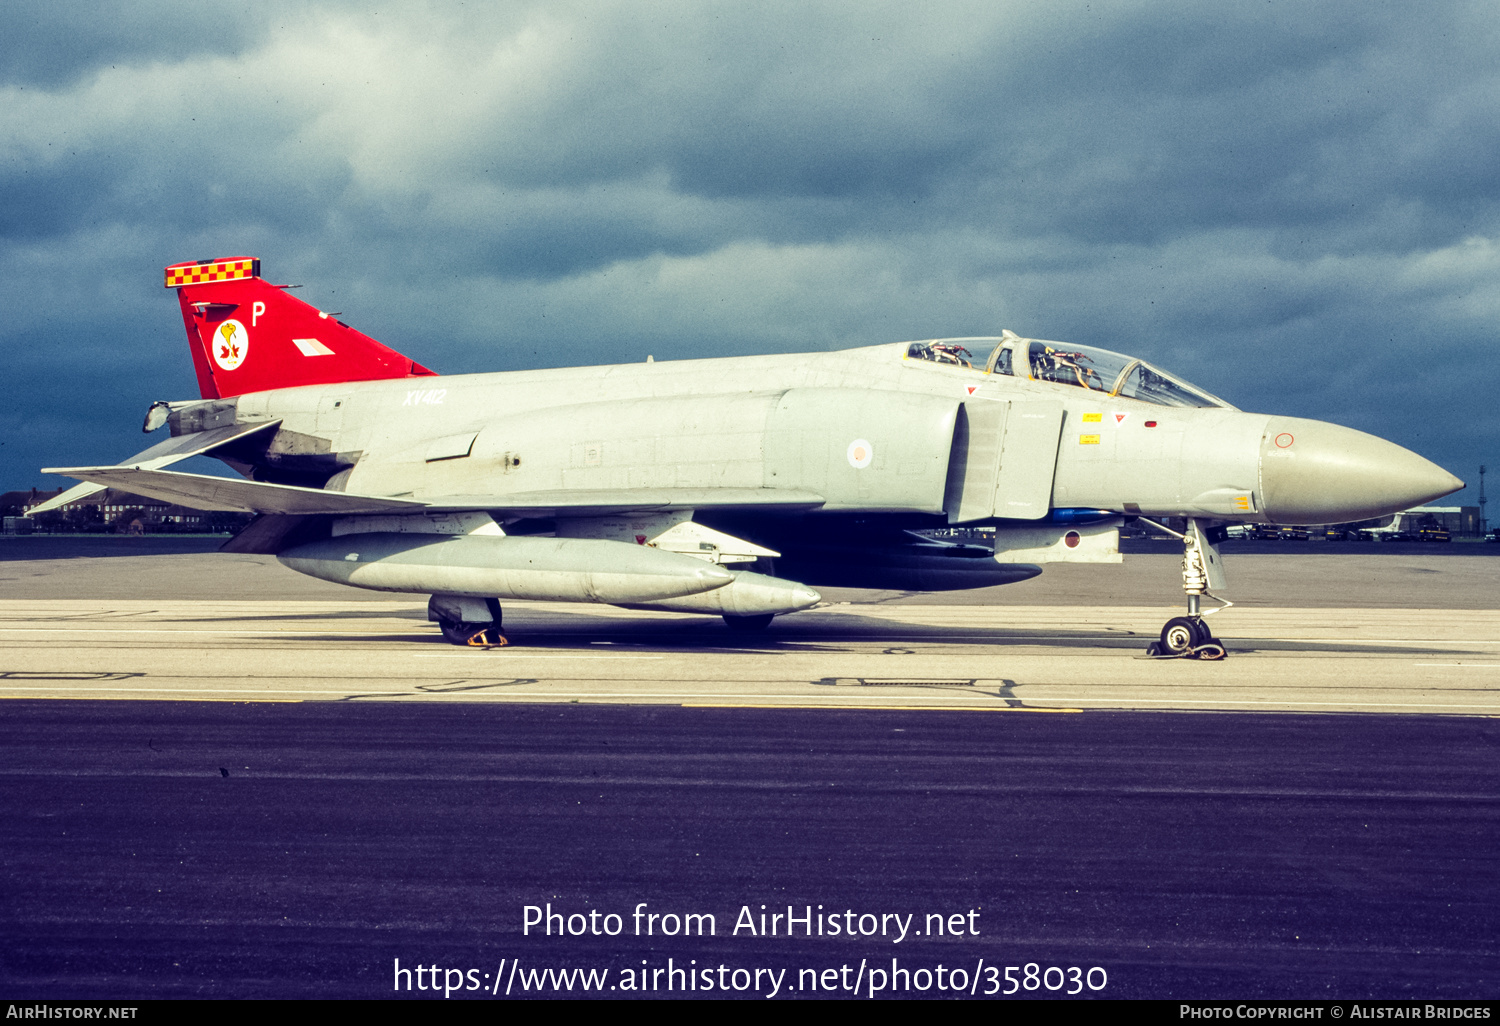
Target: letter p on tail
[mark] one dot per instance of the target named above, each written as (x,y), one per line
(248,335)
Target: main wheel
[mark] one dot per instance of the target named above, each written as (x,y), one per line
(1180,634)
(456,632)
(749,623)
(461,632)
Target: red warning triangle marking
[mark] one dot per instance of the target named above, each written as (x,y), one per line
(973,389)
(1120,417)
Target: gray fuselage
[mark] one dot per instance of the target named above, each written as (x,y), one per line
(867,429)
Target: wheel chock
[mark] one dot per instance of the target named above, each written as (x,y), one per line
(1212,651)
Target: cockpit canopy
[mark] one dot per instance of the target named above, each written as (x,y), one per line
(1097,370)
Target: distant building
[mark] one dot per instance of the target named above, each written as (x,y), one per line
(18,504)
(1459,520)
(112,510)
(15,505)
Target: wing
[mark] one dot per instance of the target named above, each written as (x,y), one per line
(162,454)
(200,491)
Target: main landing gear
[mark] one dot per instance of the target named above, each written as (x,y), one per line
(1190,637)
(748,624)
(467,621)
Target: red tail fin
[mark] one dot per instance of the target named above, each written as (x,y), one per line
(248,335)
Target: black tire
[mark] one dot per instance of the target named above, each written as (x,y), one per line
(458,632)
(1180,634)
(747,624)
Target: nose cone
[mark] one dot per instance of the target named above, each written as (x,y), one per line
(1317,473)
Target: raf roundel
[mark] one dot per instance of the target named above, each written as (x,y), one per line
(860,454)
(231,342)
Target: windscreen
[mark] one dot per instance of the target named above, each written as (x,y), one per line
(1097,370)
(1100,370)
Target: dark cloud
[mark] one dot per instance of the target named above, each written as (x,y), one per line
(53,44)
(1293,204)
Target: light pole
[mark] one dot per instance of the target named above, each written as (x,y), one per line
(1484,525)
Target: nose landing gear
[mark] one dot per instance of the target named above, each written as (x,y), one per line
(1189,637)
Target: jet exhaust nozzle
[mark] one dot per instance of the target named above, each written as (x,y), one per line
(492,566)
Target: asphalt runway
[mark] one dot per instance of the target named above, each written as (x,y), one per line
(251,816)
(171,849)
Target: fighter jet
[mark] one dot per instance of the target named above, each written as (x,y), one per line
(734,487)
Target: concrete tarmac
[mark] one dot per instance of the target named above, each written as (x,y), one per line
(982,658)
(1337,629)
(1266,574)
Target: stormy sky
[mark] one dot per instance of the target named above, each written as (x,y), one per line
(1295,205)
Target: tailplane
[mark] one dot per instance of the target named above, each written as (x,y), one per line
(248,335)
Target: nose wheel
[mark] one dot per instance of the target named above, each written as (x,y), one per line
(1183,633)
(1189,637)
